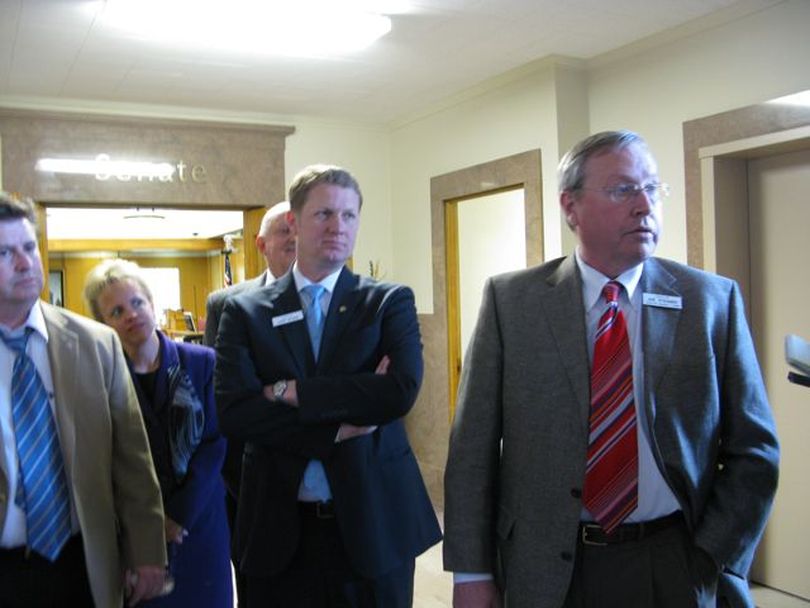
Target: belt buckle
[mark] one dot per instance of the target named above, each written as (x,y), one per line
(586,540)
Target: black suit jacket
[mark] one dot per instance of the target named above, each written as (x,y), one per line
(382,507)
(232,467)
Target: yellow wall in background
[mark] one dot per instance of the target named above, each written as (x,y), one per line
(196,275)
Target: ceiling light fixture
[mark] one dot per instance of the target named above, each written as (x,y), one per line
(301,28)
(797,99)
(145,214)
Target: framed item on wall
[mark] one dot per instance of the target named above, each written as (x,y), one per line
(56,285)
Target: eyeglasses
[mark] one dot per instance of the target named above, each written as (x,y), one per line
(624,193)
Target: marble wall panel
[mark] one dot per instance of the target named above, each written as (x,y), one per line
(216,164)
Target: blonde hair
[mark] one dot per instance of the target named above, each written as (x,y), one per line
(107,273)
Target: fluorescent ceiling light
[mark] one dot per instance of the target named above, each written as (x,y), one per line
(286,27)
(102,166)
(797,99)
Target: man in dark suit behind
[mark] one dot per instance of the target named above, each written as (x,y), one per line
(646,484)
(276,242)
(315,373)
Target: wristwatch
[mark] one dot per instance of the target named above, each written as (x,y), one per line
(279,388)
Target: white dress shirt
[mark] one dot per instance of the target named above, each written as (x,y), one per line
(14,528)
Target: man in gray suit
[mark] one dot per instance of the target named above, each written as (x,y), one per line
(646,483)
(111,519)
(276,242)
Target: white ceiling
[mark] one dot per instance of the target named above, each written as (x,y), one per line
(60,53)
(60,50)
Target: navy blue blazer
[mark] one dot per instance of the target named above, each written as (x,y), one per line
(200,565)
(382,506)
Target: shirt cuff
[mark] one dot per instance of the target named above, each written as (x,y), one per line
(471,577)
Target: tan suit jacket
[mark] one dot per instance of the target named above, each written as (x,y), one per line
(107,459)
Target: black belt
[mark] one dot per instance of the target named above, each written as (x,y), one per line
(593,534)
(318,510)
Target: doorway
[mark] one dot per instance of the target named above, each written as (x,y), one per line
(755,193)
(513,182)
(186,244)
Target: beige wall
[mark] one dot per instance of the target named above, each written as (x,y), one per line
(753,59)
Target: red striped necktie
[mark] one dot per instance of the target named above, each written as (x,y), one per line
(611,474)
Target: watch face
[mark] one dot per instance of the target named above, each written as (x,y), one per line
(279,388)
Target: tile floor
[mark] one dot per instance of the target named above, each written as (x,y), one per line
(433,586)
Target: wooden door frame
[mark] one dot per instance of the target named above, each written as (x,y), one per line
(521,170)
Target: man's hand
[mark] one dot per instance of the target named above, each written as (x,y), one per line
(144,583)
(477,594)
(174,531)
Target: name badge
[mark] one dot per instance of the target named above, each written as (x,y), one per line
(662,301)
(290,317)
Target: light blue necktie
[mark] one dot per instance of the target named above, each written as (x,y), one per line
(314,316)
(44,493)
(314,485)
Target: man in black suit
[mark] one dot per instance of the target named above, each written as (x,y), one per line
(315,373)
(276,243)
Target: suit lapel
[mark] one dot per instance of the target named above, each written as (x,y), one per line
(344,300)
(565,312)
(63,355)
(658,326)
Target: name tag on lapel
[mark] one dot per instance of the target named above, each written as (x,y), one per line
(662,301)
(290,317)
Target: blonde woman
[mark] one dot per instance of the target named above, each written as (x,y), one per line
(174,383)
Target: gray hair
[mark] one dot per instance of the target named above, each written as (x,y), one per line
(571,170)
(108,273)
(311,176)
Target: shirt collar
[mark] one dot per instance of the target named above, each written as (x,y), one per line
(594,281)
(328,282)
(35,320)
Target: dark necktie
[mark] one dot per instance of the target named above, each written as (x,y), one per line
(42,480)
(611,477)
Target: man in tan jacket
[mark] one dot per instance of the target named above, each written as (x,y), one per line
(113,534)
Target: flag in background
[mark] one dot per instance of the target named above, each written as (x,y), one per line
(228,274)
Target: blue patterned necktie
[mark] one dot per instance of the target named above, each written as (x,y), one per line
(44,494)
(314,316)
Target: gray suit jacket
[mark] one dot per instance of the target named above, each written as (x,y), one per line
(107,458)
(514,508)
